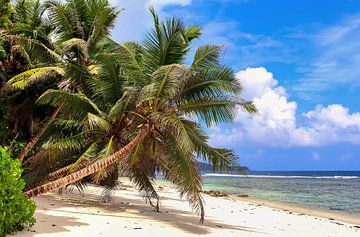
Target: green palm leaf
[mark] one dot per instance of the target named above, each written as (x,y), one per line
(32,76)
(96,122)
(75,104)
(210,110)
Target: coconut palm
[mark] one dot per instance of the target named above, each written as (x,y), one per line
(146,115)
(63,48)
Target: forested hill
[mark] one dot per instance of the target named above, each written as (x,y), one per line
(235,169)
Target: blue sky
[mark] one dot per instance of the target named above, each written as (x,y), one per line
(299,61)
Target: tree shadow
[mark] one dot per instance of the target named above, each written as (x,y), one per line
(122,206)
(47,223)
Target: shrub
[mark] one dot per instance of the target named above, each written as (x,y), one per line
(4,114)
(16,211)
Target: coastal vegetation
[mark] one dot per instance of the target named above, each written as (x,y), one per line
(16,210)
(78,107)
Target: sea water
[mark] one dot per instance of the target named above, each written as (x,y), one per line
(330,190)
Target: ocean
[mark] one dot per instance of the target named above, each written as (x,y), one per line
(328,190)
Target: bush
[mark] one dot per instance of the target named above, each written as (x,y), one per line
(16,211)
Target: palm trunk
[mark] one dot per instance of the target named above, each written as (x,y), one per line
(37,137)
(52,176)
(93,168)
(59,172)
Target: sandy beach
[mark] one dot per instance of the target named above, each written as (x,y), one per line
(128,215)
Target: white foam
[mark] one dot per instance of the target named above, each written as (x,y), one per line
(280,176)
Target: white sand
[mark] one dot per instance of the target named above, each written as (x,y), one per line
(128,215)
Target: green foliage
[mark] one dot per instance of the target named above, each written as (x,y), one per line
(16,211)
(4,114)
(108,92)
(2,50)
(140,85)
(17,146)
(5,13)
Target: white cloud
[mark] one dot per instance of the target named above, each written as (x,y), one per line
(276,124)
(253,49)
(336,61)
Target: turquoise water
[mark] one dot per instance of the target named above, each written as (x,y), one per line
(339,191)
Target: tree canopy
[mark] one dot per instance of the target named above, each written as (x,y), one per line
(134,108)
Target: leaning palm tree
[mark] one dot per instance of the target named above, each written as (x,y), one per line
(80,30)
(147,115)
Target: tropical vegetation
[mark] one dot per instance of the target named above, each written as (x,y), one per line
(89,109)
(16,210)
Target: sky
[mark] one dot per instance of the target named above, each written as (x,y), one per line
(299,61)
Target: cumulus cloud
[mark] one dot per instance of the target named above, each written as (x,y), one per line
(276,124)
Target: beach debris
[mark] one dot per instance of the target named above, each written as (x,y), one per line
(242,195)
(160,187)
(357,226)
(215,193)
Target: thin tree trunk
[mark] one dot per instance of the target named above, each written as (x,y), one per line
(37,137)
(93,168)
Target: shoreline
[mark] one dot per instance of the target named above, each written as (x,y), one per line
(332,215)
(299,209)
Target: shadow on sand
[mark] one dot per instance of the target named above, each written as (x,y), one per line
(120,207)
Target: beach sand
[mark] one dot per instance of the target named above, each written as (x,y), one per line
(127,214)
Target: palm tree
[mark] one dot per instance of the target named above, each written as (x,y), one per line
(146,115)
(80,30)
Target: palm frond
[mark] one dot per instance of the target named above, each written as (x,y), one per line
(110,183)
(166,83)
(33,76)
(212,111)
(220,158)
(177,129)
(145,183)
(215,82)
(38,51)
(128,55)
(192,32)
(74,143)
(58,13)
(103,18)
(168,42)
(206,56)
(181,169)
(96,122)
(75,104)
(118,110)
